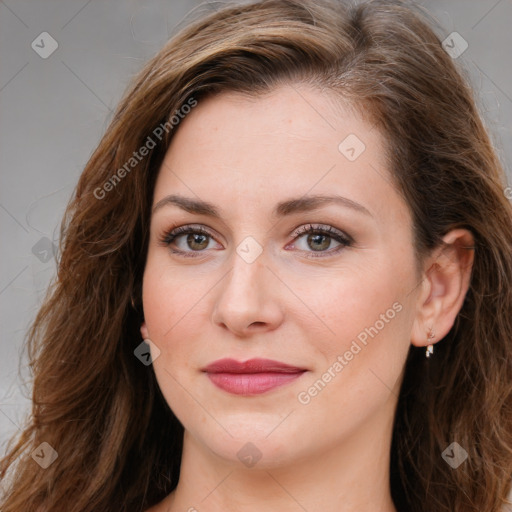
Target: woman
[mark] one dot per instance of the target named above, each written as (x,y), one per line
(298,208)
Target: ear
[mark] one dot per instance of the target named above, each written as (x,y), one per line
(447,275)
(144,331)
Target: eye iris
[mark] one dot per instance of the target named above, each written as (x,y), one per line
(197,238)
(317,239)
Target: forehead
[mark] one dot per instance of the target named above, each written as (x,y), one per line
(289,142)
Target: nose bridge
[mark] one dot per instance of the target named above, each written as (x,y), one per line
(246,295)
(246,282)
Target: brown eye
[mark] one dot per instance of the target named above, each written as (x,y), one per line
(319,242)
(197,242)
(188,240)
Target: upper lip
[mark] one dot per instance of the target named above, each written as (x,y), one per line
(250,366)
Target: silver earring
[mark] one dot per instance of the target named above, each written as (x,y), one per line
(430,346)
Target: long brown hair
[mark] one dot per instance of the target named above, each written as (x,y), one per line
(118,443)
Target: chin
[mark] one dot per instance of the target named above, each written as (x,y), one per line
(254,444)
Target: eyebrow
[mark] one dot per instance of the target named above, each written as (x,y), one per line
(288,207)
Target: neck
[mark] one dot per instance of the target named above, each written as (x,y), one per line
(352,476)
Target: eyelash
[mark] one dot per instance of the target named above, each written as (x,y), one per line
(345,241)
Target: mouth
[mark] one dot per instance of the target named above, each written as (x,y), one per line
(251,377)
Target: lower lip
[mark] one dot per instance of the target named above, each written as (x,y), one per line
(251,383)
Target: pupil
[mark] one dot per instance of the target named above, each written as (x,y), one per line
(317,239)
(192,239)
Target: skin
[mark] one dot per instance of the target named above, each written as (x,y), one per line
(244,155)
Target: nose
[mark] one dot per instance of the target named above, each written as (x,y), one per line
(248,299)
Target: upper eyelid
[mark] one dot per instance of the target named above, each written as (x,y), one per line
(305,228)
(200,227)
(322,228)
(190,228)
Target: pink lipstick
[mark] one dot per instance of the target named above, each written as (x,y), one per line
(251,377)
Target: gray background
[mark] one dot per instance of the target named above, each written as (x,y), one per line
(54,111)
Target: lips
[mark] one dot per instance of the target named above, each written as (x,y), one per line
(251,377)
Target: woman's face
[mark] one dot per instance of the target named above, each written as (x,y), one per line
(337,304)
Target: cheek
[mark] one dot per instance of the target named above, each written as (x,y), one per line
(358,369)
(170,296)
(170,303)
(361,330)
(346,302)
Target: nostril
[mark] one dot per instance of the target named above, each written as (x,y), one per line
(257,324)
